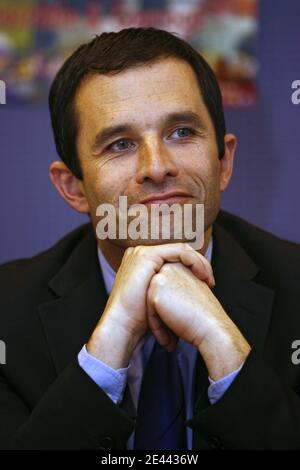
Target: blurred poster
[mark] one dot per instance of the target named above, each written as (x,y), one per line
(37,36)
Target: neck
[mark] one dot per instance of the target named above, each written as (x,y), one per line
(114,253)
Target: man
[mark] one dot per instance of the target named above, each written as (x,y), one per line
(123,343)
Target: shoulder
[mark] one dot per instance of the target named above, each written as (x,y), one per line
(25,285)
(37,270)
(263,247)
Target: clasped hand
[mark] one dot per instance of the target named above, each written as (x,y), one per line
(167,289)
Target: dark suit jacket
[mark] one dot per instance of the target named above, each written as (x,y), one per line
(51,303)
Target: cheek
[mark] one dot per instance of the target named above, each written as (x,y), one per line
(203,165)
(105,182)
(204,168)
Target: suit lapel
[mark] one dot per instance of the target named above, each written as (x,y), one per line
(248,303)
(69,320)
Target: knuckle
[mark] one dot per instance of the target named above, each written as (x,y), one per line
(153,295)
(140,250)
(166,268)
(188,247)
(158,280)
(155,299)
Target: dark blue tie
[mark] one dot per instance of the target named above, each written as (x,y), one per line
(161,410)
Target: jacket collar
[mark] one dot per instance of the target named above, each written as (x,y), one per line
(70,318)
(248,303)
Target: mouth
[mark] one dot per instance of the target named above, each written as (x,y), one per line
(166,198)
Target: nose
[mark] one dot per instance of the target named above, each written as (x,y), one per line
(154,163)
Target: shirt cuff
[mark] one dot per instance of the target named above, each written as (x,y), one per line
(217,388)
(111,381)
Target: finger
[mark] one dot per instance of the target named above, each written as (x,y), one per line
(203,259)
(163,335)
(198,265)
(174,252)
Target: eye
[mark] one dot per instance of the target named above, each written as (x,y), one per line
(121,144)
(182,132)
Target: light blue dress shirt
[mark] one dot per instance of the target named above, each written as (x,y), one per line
(113,382)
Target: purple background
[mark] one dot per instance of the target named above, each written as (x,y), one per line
(266,185)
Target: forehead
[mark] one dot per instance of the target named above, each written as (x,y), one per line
(140,94)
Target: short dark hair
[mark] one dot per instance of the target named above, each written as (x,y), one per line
(112,53)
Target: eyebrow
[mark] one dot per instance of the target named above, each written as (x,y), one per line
(110,132)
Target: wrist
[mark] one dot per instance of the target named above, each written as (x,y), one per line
(112,344)
(223,355)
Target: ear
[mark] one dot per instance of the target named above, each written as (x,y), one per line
(69,187)
(226,163)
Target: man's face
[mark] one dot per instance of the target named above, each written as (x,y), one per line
(146,130)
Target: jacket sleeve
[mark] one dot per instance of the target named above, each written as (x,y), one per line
(258,411)
(73,414)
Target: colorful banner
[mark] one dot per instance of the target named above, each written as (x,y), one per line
(37,36)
